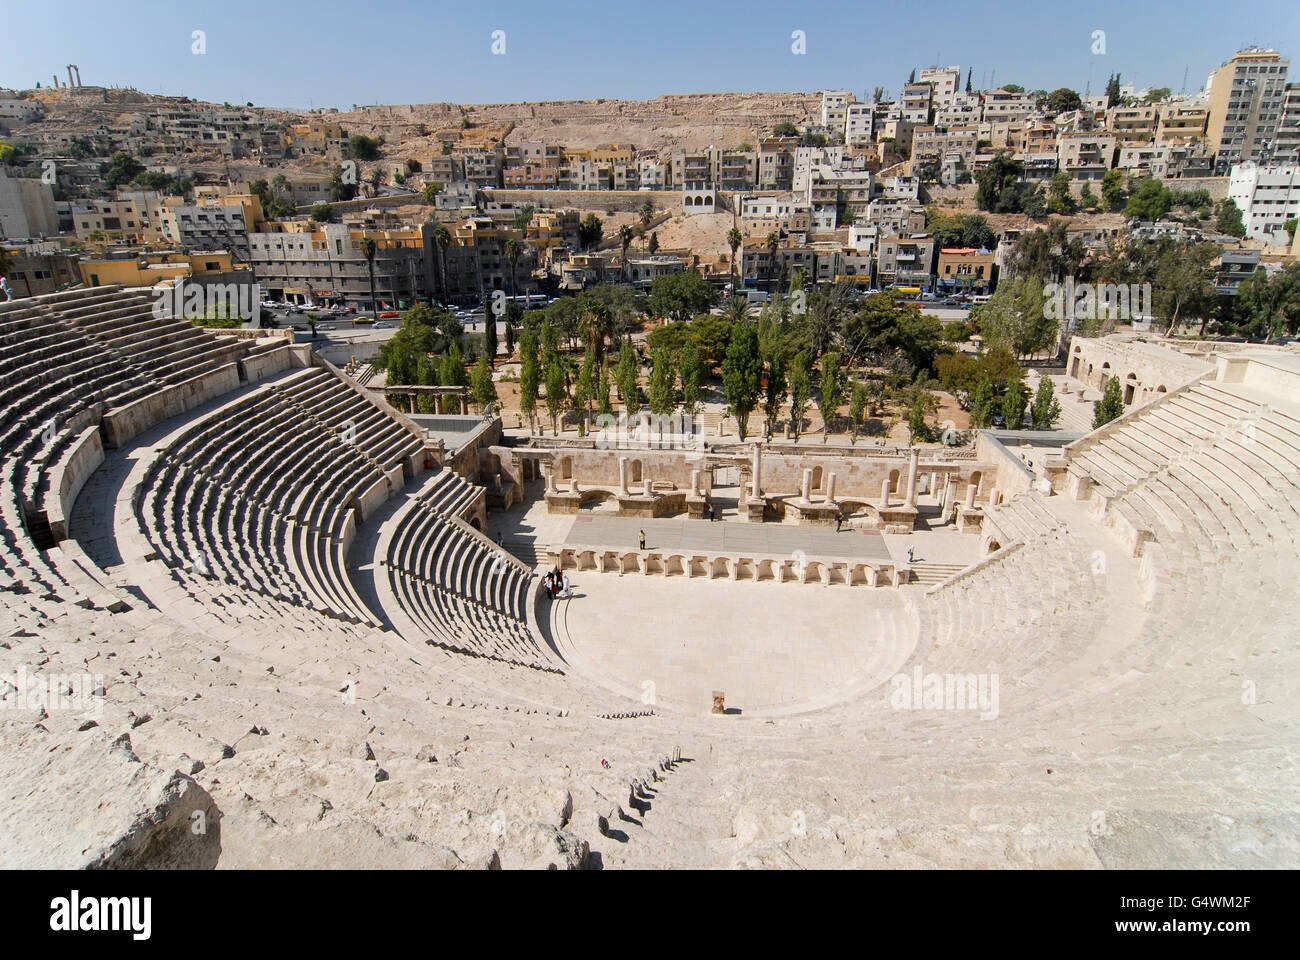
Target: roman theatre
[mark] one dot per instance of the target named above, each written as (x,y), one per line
(235,582)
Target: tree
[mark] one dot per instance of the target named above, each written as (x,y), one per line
(529,375)
(322,213)
(1270,307)
(624,241)
(590,231)
(482,388)
(513,249)
(785,129)
(368,250)
(772,242)
(740,374)
(1227,218)
(1150,201)
(442,237)
(431,191)
(121,168)
(1016,317)
(1113,191)
(1087,199)
(625,378)
(1183,287)
(691,367)
(598,323)
(1110,406)
(1046,409)
(734,241)
(981,409)
(680,296)
(774,395)
(647,214)
(452,372)
(1112,91)
(858,408)
(557,396)
(998,188)
(602,391)
(969,71)
(832,392)
(653,245)
(1063,100)
(361,147)
(917,431)
(1014,402)
(489,332)
(663,398)
(585,390)
(800,392)
(1060,200)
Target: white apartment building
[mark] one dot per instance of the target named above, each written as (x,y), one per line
(1268,197)
(1007,105)
(961,109)
(834,104)
(859,124)
(946,82)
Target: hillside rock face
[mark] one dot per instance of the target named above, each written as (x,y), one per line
(84,800)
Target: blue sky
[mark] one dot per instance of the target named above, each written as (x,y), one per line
(329,53)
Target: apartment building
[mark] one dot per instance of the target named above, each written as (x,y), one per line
(1133,123)
(961,109)
(653,173)
(1247,97)
(896,217)
(859,124)
(730,170)
(531,164)
(1008,105)
(934,144)
(1085,156)
(964,270)
(221,225)
(916,102)
(1268,197)
(39,268)
(834,108)
(945,82)
(1287,143)
(776,162)
(905,261)
(303,261)
(27,208)
(315,138)
(482,165)
(1182,123)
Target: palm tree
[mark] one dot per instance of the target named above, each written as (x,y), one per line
(647,214)
(625,239)
(442,236)
(368,249)
(772,242)
(281,186)
(599,324)
(513,249)
(734,240)
(737,309)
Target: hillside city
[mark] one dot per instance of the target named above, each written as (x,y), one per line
(900,478)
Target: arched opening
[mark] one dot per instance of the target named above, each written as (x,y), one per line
(474,522)
(634,472)
(994,546)
(566,468)
(1161,389)
(817,478)
(1130,388)
(894,477)
(975,479)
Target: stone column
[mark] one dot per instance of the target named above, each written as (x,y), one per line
(830,488)
(550,477)
(622,476)
(970,496)
(932,488)
(649,489)
(912,462)
(884,492)
(993,497)
(757,489)
(805,488)
(695,483)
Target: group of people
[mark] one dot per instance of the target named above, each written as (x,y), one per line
(557,582)
(6,291)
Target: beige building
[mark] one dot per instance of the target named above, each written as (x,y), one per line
(1247,99)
